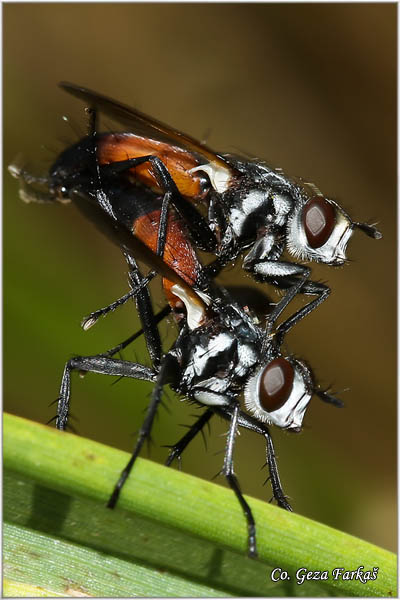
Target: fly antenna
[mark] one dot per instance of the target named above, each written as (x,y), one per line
(369,230)
(329,398)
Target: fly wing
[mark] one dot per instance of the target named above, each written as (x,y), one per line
(135,120)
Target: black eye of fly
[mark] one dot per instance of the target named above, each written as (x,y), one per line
(318,221)
(276,384)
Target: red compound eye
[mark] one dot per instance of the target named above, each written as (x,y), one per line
(318,221)
(276,384)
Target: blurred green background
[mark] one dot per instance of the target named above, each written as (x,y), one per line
(310,88)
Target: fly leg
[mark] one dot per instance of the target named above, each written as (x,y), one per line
(198,227)
(103,363)
(162,175)
(144,307)
(298,285)
(145,311)
(178,448)
(90,320)
(96,364)
(163,377)
(276,485)
(228,471)
(263,262)
(284,327)
(139,291)
(157,318)
(249,422)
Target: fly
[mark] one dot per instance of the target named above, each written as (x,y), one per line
(211,364)
(250,205)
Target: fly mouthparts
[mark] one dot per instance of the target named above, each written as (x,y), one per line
(370,230)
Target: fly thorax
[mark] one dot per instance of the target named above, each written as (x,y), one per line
(283,205)
(208,363)
(247,359)
(224,383)
(248,213)
(215,367)
(207,355)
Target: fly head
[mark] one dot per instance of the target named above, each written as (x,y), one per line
(319,229)
(279,391)
(74,168)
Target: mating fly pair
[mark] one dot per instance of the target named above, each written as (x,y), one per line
(140,190)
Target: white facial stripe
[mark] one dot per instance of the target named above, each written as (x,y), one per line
(288,416)
(336,245)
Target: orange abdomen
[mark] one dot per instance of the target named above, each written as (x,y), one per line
(115,147)
(178,252)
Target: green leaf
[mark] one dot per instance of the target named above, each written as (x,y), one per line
(170,535)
